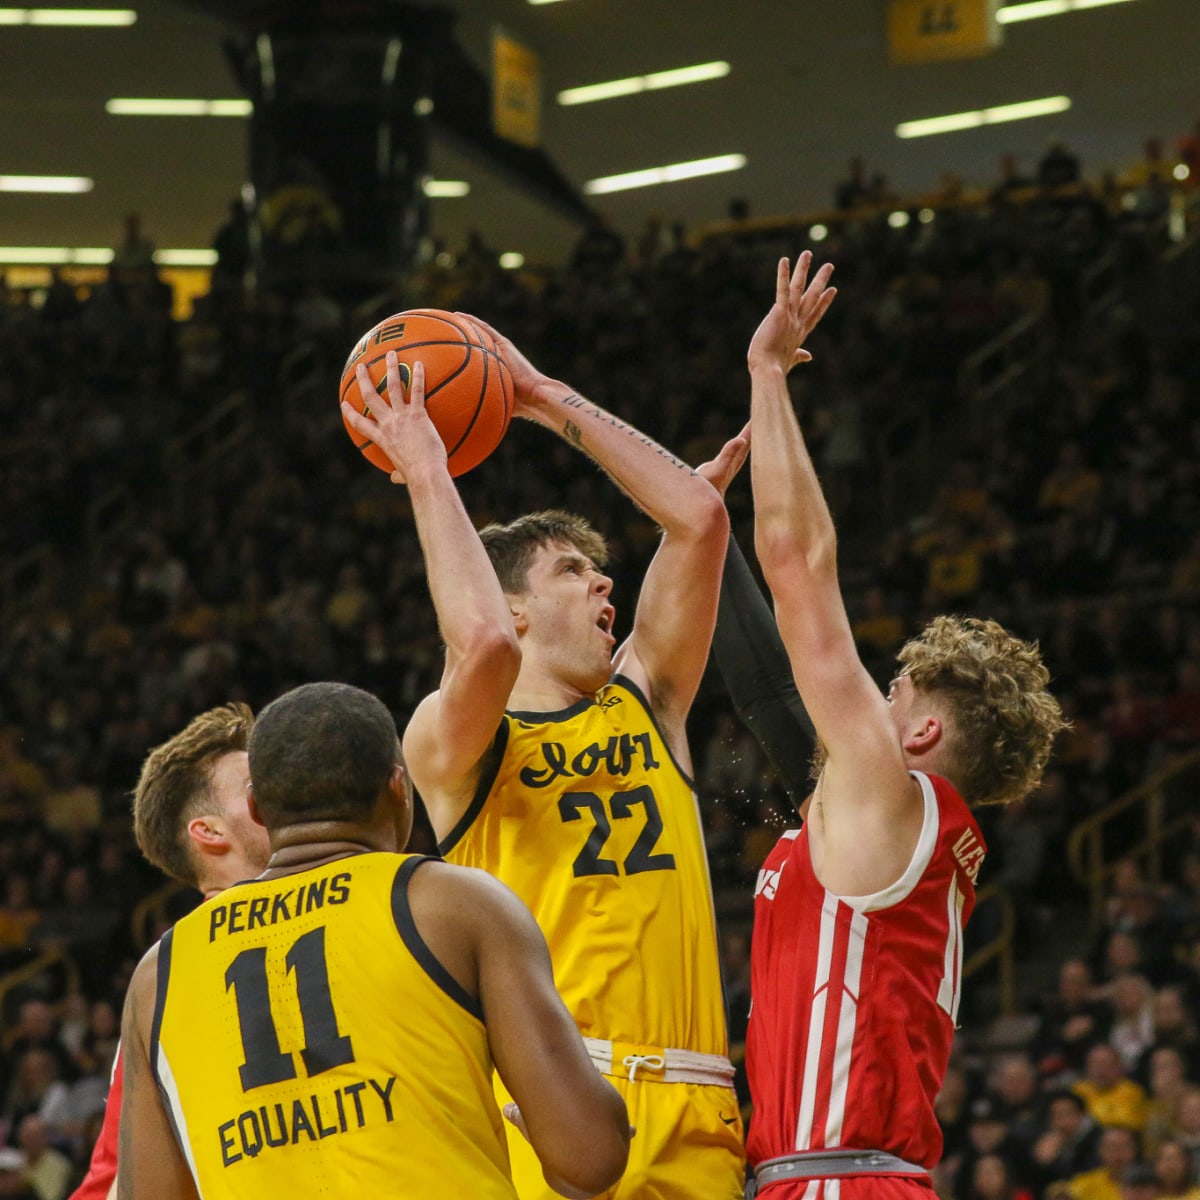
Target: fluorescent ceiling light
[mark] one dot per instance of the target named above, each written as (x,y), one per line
(543,1)
(185,258)
(45,183)
(667,174)
(54,255)
(445,188)
(134,107)
(676,77)
(99,256)
(983,116)
(67,16)
(1047,8)
(512,260)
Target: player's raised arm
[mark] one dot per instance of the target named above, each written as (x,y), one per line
(677,607)
(453,728)
(151,1165)
(865,797)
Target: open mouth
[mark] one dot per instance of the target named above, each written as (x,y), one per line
(605,620)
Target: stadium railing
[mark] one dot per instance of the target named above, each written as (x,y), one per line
(1088,849)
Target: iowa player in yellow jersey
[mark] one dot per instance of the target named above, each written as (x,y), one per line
(332,1025)
(563,768)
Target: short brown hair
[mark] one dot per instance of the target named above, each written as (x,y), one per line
(511,547)
(1003,720)
(176,784)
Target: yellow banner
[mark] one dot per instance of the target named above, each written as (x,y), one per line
(516,91)
(933,30)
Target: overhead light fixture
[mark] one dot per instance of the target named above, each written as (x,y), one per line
(668,174)
(898,219)
(926,216)
(98,256)
(818,233)
(439,189)
(512,260)
(52,256)
(543,1)
(93,17)
(1034,9)
(1182,172)
(185,258)
(134,107)
(1021,111)
(677,77)
(45,183)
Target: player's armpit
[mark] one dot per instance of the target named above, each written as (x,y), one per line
(150,1163)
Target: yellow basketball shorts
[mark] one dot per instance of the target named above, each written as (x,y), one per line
(688,1145)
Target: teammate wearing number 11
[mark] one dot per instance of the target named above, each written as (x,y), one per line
(562,767)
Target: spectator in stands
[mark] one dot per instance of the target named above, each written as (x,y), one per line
(1014,1087)
(1167,1084)
(1058,167)
(988,1133)
(1133,1019)
(1118,1152)
(1175,1172)
(1072,1021)
(853,191)
(1070,481)
(992,1180)
(1139,1183)
(1070,1144)
(44,1173)
(1111,1096)
(1174,1029)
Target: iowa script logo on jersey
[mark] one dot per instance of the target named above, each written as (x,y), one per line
(618,755)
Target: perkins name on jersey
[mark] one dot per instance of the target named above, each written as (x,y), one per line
(239,916)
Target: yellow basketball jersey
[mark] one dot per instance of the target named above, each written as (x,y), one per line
(306,1039)
(587,817)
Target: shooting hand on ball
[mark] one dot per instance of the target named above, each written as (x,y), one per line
(525,376)
(401,427)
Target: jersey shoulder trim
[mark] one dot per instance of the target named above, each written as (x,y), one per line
(487,777)
(417,947)
(903,887)
(552,718)
(623,681)
(160,997)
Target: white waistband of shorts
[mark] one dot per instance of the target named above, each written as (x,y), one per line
(661,1065)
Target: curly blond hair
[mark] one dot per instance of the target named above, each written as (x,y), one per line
(1002,719)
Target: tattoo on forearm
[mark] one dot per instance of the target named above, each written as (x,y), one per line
(574,434)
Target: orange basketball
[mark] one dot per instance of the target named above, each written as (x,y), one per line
(468,390)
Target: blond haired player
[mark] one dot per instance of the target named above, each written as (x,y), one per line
(332,1024)
(563,768)
(856,967)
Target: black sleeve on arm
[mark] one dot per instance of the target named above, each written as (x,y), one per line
(756,670)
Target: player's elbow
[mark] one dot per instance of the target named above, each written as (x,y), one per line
(786,557)
(493,647)
(592,1167)
(707,518)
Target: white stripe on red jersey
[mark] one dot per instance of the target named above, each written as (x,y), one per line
(854,998)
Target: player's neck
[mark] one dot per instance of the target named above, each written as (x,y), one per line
(539,689)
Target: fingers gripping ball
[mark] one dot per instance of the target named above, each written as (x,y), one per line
(468,390)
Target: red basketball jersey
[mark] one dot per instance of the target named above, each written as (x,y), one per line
(103,1168)
(855,998)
